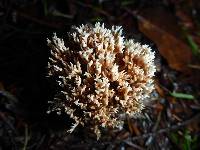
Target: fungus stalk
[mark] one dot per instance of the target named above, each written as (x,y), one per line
(101,75)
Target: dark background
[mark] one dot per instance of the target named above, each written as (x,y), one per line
(170,27)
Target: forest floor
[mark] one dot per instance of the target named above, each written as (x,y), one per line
(170,27)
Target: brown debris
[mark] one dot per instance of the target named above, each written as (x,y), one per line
(165,32)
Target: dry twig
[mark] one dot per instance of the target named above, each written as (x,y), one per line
(174,127)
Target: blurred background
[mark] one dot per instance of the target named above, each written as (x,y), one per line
(170,27)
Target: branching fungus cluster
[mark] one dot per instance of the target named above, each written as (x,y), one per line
(100,75)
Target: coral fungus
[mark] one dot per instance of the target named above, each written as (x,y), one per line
(101,75)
